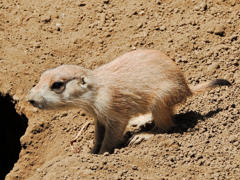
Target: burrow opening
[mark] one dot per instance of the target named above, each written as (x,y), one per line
(12,126)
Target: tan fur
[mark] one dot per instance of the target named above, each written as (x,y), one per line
(135,83)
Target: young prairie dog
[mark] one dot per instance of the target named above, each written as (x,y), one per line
(135,83)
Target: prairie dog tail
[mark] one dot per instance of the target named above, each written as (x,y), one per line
(209,85)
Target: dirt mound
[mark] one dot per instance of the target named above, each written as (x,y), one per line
(203,38)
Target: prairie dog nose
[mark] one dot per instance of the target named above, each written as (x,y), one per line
(30,98)
(35,100)
(36,103)
(32,102)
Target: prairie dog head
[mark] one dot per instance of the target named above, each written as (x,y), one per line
(61,87)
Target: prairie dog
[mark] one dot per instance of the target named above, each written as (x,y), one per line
(137,82)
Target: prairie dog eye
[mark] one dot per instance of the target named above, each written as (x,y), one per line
(58,86)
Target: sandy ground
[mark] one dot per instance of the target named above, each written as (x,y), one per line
(202,37)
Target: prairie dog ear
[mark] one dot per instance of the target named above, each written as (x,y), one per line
(83,80)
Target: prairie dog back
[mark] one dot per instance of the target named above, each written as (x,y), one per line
(140,68)
(146,75)
(138,82)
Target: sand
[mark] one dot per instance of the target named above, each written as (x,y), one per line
(202,37)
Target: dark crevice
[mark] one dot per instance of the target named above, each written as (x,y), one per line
(13,126)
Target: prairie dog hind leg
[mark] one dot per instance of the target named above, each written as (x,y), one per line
(162,116)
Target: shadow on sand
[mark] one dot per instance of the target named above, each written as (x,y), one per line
(188,120)
(183,121)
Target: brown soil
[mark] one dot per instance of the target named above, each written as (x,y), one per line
(202,37)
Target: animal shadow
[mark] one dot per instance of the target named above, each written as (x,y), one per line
(188,120)
(183,121)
